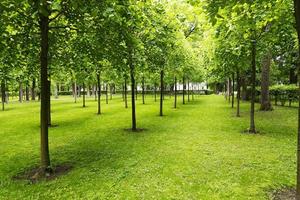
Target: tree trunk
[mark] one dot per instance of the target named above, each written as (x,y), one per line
(183,90)
(83,95)
(232,95)
(20,92)
(265,103)
(133,114)
(49,101)
(161,92)
(297,16)
(253,80)
(175,92)
(136,92)
(111,91)
(3,94)
(188,88)
(155,92)
(27,92)
(125,93)
(238,96)
(143,89)
(106,93)
(44,28)
(99,93)
(33,90)
(75,92)
(229,90)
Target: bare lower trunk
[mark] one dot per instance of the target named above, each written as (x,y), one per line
(232,95)
(3,94)
(132,71)
(175,92)
(33,90)
(265,103)
(155,92)
(238,96)
(83,95)
(106,93)
(161,92)
(99,93)
(143,90)
(27,92)
(20,92)
(183,90)
(49,102)
(125,93)
(297,16)
(253,80)
(188,88)
(44,28)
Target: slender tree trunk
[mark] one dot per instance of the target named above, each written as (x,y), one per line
(183,90)
(125,93)
(265,103)
(297,16)
(238,96)
(111,91)
(83,95)
(161,92)
(229,90)
(27,92)
(133,114)
(106,93)
(44,28)
(143,88)
(33,90)
(20,92)
(253,80)
(75,92)
(89,91)
(49,102)
(3,93)
(99,93)
(232,98)
(175,92)
(136,92)
(188,88)
(155,92)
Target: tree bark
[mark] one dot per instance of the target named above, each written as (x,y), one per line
(183,89)
(297,16)
(229,90)
(265,103)
(161,92)
(44,28)
(99,93)
(175,92)
(143,89)
(188,88)
(238,96)
(155,92)
(232,93)
(20,92)
(253,80)
(3,94)
(132,69)
(83,95)
(27,92)
(106,93)
(33,90)
(125,93)
(49,102)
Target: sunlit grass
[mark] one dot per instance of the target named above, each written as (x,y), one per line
(195,152)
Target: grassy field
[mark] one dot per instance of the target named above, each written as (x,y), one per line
(195,152)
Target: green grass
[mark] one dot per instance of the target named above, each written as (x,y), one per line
(195,152)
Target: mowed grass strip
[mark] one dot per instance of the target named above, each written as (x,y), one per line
(197,151)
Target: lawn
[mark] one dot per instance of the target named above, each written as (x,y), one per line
(195,152)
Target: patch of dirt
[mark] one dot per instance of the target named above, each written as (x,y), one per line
(36,174)
(284,194)
(135,131)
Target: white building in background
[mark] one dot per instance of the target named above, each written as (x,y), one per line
(192,86)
